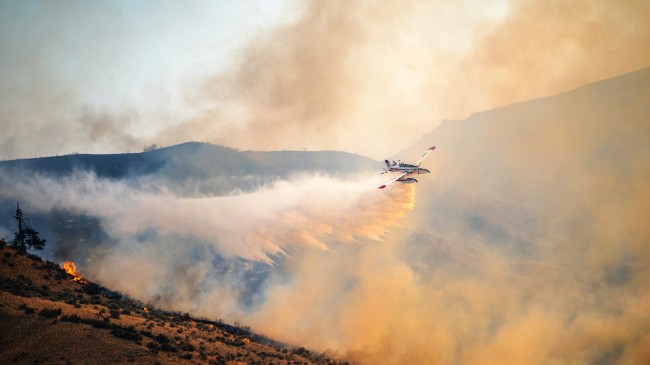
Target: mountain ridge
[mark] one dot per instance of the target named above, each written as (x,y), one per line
(211,158)
(613,90)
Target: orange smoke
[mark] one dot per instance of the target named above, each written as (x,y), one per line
(71,269)
(407,198)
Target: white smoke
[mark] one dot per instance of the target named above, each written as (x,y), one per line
(310,211)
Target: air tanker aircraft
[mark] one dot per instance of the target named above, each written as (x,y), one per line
(405,170)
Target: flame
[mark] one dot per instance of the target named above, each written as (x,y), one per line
(145,309)
(71,269)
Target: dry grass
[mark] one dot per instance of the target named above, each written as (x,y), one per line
(46,318)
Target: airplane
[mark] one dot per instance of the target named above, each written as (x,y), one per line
(406,169)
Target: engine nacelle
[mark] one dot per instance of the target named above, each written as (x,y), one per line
(408,180)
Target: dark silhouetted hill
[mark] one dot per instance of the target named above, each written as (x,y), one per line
(194,160)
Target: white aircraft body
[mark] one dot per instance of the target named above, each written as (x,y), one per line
(405,170)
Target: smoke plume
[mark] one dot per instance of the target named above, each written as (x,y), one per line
(528,243)
(306,212)
(387,69)
(394,69)
(165,249)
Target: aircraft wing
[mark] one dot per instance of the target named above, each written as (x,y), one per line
(393,180)
(424,155)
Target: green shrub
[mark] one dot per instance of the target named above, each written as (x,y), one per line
(73,318)
(49,313)
(301,351)
(92,289)
(147,333)
(188,347)
(26,309)
(168,347)
(34,257)
(127,333)
(162,339)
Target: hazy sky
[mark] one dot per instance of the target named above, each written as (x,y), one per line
(62,60)
(366,76)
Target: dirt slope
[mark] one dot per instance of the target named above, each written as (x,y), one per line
(46,318)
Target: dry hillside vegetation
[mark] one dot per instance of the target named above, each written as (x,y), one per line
(48,318)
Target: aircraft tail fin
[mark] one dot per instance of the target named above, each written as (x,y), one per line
(387,164)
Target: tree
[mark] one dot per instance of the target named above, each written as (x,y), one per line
(26,237)
(151,147)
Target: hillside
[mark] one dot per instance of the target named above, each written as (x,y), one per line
(48,318)
(598,128)
(531,164)
(532,229)
(191,169)
(188,170)
(193,160)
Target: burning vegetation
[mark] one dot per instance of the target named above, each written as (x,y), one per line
(32,290)
(71,269)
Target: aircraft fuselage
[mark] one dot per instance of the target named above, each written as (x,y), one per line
(410,169)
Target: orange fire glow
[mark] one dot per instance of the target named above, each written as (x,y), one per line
(71,269)
(145,309)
